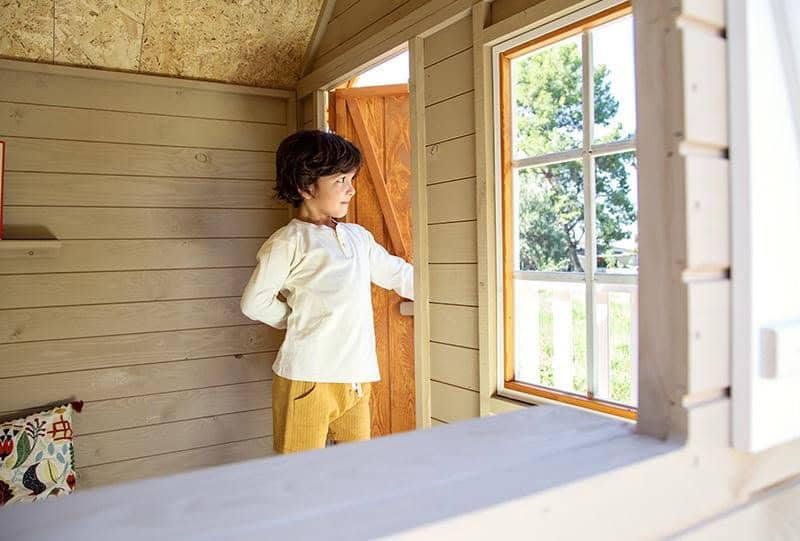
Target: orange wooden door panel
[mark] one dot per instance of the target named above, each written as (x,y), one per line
(376,119)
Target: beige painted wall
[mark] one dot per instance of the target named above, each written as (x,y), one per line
(450,167)
(160,192)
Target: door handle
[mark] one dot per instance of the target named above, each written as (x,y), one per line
(407,308)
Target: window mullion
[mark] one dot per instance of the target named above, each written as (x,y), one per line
(588,210)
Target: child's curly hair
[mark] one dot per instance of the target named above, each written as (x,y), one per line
(306,155)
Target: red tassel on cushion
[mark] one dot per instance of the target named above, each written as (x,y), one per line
(77,405)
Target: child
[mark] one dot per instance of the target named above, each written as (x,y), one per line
(323,267)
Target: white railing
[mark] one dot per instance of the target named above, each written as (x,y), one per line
(547,332)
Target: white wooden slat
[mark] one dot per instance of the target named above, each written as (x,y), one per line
(602,349)
(708,217)
(711,12)
(30,358)
(563,369)
(704,90)
(526,331)
(709,336)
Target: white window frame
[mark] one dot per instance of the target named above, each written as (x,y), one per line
(587,153)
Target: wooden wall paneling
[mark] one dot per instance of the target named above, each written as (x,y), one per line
(141,254)
(31,324)
(25,154)
(453,242)
(160,192)
(451,404)
(453,324)
(66,223)
(452,201)
(449,78)
(452,39)
(454,283)
(451,159)
(154,409)
(134,349)
(455,365)
(25,82)
(140,128)
(380,43)
(144,379)
(98,190)
(32,291)
(104,447)
(172,463)
(450,119)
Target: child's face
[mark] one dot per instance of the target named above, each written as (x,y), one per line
(331,194)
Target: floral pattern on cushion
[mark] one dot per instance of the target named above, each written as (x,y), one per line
(37,458)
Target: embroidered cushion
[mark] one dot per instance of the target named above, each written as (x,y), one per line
(37,459)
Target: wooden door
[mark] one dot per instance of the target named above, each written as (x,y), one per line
(376,119)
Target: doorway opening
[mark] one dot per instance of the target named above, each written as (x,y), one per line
(372,110)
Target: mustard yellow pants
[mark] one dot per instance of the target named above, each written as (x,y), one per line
(306,413)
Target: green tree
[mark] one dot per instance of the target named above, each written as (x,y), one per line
(549,118)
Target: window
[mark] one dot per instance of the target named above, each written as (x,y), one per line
(567,195)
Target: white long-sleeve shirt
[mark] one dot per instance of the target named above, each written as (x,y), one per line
(325,276)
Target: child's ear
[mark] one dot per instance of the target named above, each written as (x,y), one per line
(310,193)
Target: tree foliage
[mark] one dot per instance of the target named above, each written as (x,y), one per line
(549,118)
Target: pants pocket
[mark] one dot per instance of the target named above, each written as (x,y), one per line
(303,390)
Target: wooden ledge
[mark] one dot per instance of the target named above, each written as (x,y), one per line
(360,490)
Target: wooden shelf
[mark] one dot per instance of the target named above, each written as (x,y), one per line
(29,248)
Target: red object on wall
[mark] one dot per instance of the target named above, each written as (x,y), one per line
(2,172)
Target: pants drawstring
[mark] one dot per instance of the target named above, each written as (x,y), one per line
(357,388)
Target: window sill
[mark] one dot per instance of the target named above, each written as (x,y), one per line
(362,490)
(510,400)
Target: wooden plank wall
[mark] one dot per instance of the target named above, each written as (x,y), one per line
(452,222)
(161,196)
(352,21)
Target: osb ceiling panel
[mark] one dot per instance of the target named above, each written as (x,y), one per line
(251,42)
